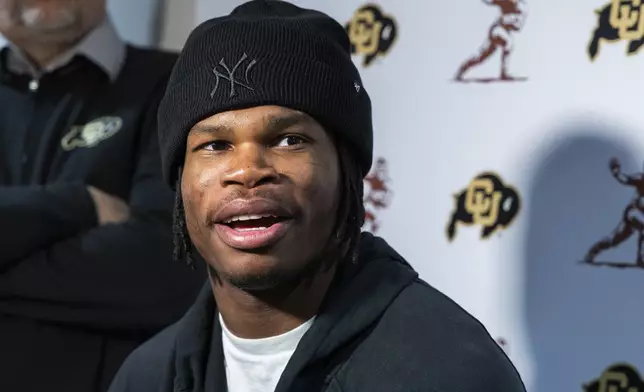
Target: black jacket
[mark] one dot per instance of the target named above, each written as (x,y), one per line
(76,298)
(381,328)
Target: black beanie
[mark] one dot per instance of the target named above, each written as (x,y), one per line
(266,52)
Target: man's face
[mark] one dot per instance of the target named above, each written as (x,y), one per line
(49,20)
(260,191)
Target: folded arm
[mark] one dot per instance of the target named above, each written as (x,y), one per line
(35,217)
(117,276)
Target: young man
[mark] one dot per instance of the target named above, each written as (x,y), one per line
(86,269)
(266,134)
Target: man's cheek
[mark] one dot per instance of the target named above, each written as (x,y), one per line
(193,204)
(192,217)
(207,178)
(7,11)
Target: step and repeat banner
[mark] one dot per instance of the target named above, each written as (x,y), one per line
(509,169)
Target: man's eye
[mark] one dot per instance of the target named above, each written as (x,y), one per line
(216,146)
(290,140)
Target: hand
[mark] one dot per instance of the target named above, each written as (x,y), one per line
(109,209)
(614,165)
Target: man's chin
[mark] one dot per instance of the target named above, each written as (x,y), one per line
(60,22)
(269,277)
(262,281)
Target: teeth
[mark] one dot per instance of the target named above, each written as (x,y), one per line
(259,228)
(248,217)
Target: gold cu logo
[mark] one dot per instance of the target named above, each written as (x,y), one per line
(371,32)
(614,382)
(628,19)
(364,32)
(482,201)
(487,202)
(617,378)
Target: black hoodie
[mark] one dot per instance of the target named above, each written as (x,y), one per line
(380,328)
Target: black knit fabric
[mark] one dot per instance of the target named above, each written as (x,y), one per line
(266,52)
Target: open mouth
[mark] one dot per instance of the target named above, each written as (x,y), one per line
(253,222)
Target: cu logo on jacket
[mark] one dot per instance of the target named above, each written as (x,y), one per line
(92,133)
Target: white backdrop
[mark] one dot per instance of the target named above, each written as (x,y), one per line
(136,21)
(550,137)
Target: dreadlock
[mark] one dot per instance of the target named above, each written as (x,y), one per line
(182,244)
(345,240)
(343,245)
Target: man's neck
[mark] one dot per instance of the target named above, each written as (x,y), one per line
(42,55)
(260,315)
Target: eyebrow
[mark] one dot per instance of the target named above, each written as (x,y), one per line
(274,124)
(211,129)
(277,123)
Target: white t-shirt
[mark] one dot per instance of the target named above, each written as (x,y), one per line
(256,365)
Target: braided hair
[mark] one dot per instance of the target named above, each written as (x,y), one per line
(182,244)
(346,233)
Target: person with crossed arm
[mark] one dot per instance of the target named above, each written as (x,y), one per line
(86,266)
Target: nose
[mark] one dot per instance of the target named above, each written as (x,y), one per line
(250,168)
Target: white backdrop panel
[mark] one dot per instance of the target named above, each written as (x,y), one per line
(551,137)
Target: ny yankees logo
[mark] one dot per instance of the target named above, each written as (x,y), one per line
(230,76)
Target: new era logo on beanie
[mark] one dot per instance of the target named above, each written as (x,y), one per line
(266,52)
